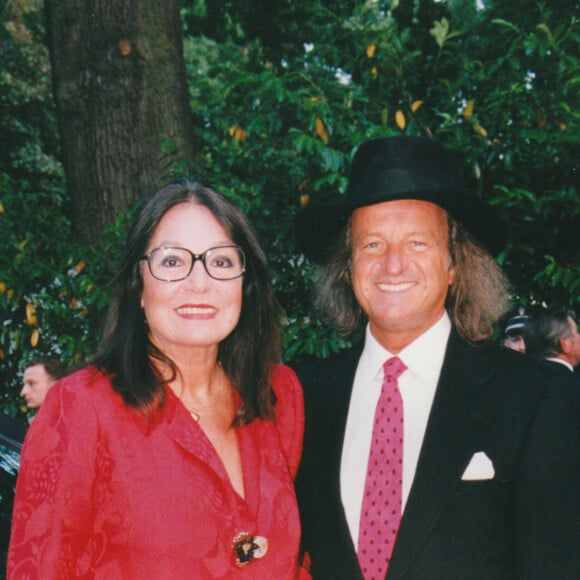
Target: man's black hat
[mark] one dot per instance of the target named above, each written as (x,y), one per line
(395,168)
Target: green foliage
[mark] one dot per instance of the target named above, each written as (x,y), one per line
(257,127)
(495,85)
(52,291)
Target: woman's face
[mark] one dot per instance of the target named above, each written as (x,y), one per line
(199,311)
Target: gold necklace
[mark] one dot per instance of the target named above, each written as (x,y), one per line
(196,413)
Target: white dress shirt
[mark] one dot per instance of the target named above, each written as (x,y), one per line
(424,359)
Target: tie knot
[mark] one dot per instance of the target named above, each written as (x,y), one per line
(394,368)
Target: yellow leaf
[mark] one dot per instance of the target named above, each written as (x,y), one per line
(479,129)
(304,200)
(74,302)
(9,293)
(1,207)
(469,109)
(562,126)
(416,106)
(2,287)
(80,267)
(400,119)
(238,133)
(31,318)
(321,130)
(375,72)
(125,47)
(34,337)
(371,48)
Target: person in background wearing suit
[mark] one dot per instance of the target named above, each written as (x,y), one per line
(553,335)
(429,452)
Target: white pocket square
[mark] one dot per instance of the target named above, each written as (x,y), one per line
(480,467)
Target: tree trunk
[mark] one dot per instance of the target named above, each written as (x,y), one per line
(122,100)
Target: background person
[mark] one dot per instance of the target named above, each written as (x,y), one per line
(172,454)
(39,375)
(514,324)
(472,470)
(553,335)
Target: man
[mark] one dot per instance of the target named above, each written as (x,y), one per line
(553,335)
(476,473)
(39,376)
(514,327)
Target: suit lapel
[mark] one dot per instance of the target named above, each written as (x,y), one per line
(335,429)
(327,397)
(458,415)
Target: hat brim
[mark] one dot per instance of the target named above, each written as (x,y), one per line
(318,227)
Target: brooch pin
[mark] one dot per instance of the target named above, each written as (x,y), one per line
(247,547)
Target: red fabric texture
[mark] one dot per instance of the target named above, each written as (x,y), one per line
(103,493)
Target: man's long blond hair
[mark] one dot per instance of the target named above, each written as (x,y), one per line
(475,301)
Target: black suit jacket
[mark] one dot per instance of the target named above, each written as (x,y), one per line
(574,376)
(576,380)
(522,523)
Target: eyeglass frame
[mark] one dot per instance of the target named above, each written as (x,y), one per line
(194,258)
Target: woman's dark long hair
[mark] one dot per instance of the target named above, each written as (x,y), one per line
(247,355)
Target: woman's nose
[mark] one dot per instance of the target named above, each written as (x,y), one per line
(198,278)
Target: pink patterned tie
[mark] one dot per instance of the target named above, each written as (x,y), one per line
(382,500)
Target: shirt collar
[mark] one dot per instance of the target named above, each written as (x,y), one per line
(561,361)
(424,356)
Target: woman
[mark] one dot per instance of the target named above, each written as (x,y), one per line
(172,454)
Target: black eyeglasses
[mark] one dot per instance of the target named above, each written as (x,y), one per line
(175,264)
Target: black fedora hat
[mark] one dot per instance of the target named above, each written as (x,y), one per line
(395,168)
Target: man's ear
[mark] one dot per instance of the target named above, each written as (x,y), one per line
(452,273)
(565,344)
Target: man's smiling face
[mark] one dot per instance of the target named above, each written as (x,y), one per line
(401,268)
